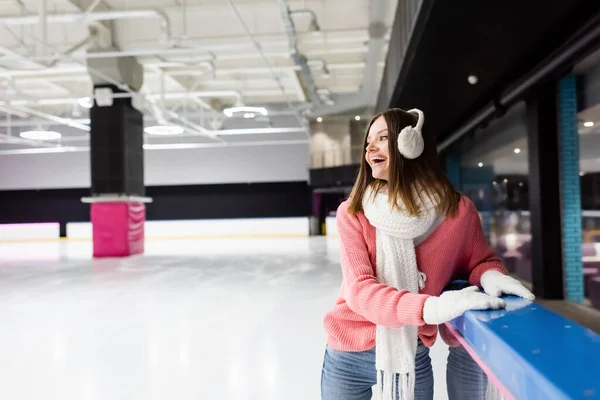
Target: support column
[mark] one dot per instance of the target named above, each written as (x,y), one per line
(117,162)
(571,191)
(544,193)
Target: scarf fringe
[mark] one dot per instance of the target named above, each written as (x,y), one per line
(395,386)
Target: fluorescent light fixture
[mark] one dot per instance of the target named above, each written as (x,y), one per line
(85,102)
(588,124)
(480,164)
(182,146)
(259,131)
(256,110)
(357,118)
(517,151)
(164,130)
(40,135)
(43,150)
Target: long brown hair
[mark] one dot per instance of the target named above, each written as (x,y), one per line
(408,179)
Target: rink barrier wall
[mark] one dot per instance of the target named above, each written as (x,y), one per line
(165,230)
(529,352)
(331,227)
(34,232)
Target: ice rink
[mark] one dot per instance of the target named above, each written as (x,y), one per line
(203,319)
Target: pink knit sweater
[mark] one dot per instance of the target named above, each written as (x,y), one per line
(457,249)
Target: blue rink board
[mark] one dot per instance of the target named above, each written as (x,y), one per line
(535,353)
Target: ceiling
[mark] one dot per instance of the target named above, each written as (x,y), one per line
(297,59)
(497,42)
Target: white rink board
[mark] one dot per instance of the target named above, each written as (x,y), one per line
(209,227)
(331,227)
(37,231)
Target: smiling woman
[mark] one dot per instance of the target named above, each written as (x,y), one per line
(399,251)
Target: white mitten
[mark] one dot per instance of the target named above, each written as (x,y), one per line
(495,283)
(454,303)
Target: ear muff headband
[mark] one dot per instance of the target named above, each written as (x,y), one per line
(410,139)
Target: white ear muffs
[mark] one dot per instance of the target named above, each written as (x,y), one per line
(410,139)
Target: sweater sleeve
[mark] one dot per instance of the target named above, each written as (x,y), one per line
(378,303)
(480,254)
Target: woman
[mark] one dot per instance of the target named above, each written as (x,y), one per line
(405,234)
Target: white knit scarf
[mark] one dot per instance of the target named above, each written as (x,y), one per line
(397,267)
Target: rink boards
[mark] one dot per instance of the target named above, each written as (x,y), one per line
(185,229)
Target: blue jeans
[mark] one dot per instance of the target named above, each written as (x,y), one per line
(351,375)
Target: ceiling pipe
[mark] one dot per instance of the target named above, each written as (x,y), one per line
(94,16)
(314,24)
(167,96)
(258,47)
(298,58)
(54,118)
(377,29)
(367,96)
(153,52)
(43,25)
(584,41)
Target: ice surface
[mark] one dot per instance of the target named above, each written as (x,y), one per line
(207,319)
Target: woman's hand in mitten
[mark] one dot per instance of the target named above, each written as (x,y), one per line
(495,283)
(454,303)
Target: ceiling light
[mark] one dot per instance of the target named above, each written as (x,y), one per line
(588,124)
(164,130)
(472,79)
(517,151)
(85,102)
(480,164)
(581,173)
(506,181)
(357,118)
(40,135)
(257,110)
(521,184)
(319,119)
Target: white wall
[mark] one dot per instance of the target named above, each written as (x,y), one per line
(243,164)
(330,143)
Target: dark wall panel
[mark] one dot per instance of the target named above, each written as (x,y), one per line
(286,199)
